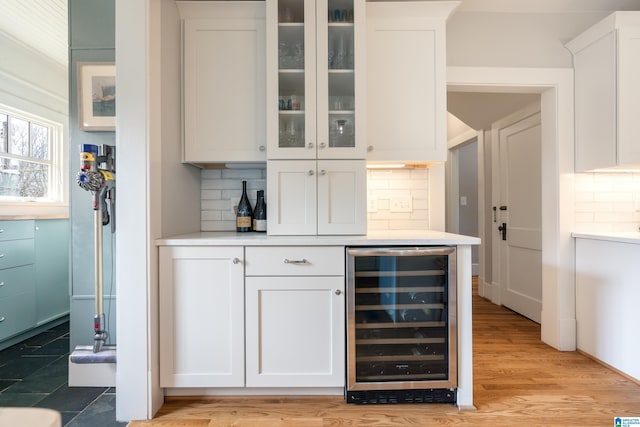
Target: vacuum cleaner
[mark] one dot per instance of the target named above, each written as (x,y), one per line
(97,175)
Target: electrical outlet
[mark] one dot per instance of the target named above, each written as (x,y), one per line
(372,205)
(401,204)
(463,200)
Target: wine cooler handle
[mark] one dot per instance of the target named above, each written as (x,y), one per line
(338,292)
(295,261)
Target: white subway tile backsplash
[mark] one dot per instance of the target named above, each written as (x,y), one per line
(221,188)
(607,202)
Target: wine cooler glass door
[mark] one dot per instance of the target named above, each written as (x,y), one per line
(401,318)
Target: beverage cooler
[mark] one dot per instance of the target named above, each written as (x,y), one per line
(401,324)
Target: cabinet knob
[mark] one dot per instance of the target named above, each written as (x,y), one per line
(323,172)
(310,145)
(2,318)
(1,284)
(338,292)
(322,145)
(235,260)
(1,230)
(262,148)
(1,255)
(370,148)
(310,172)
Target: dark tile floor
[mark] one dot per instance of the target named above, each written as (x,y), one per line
(35,373)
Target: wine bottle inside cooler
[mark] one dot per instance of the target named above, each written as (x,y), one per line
(244,212)
(260,213)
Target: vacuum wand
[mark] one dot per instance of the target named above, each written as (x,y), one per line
(97,175)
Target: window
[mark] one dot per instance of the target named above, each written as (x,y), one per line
(28,167)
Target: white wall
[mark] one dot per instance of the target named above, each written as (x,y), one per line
(489,39)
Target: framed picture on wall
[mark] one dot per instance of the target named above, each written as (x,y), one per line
(97,96)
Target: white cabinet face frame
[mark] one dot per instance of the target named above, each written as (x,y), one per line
(311,84)
(201,316)
(224,85)
(295,331)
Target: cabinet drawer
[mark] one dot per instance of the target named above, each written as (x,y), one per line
(295,261)
(14,253)
(17,314)
(14,281)
(10,230)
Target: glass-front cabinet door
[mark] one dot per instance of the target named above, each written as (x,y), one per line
(313,72)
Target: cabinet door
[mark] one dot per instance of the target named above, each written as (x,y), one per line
(201,316)
(406,83)
(628,97)
(295,331)
(52,268)
(313,96)
(595,106)
(342,197)
(291,185)
(224,89)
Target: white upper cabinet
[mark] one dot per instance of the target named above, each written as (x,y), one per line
(223,81)
(315,79)
(406,81)
(607,93)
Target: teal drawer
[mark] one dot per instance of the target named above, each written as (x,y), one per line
(17,314)
(10,230)
(17,280)
(14,253)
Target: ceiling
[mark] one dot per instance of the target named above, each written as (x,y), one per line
(39,25)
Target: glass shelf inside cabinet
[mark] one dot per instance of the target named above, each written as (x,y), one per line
(291,75)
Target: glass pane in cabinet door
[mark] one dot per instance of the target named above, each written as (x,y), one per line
(291,77)
(341,74)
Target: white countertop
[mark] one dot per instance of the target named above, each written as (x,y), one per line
(622,236)
(377,238)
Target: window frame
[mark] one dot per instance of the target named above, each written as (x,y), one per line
(56,193)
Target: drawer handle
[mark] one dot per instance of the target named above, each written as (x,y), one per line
(235,260)
(2,319)
(295,261)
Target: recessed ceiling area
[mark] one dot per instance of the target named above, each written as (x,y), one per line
(479,110)
(38,25)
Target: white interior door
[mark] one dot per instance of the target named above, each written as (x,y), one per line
(520,212)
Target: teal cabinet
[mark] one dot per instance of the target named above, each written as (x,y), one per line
(34,274)
(51,269)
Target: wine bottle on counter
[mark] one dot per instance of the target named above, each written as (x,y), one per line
(244,213)
(260,213)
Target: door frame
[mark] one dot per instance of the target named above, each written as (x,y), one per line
(555,85)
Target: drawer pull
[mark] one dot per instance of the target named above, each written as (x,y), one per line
(2,319)
(295,261)
(235,260)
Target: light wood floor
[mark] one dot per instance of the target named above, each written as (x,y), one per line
(518,381)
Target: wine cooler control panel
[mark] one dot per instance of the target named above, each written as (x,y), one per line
(401,324)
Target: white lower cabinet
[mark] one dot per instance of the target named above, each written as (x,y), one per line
(295,331)
(295,318)
(273,315)
(201,316)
